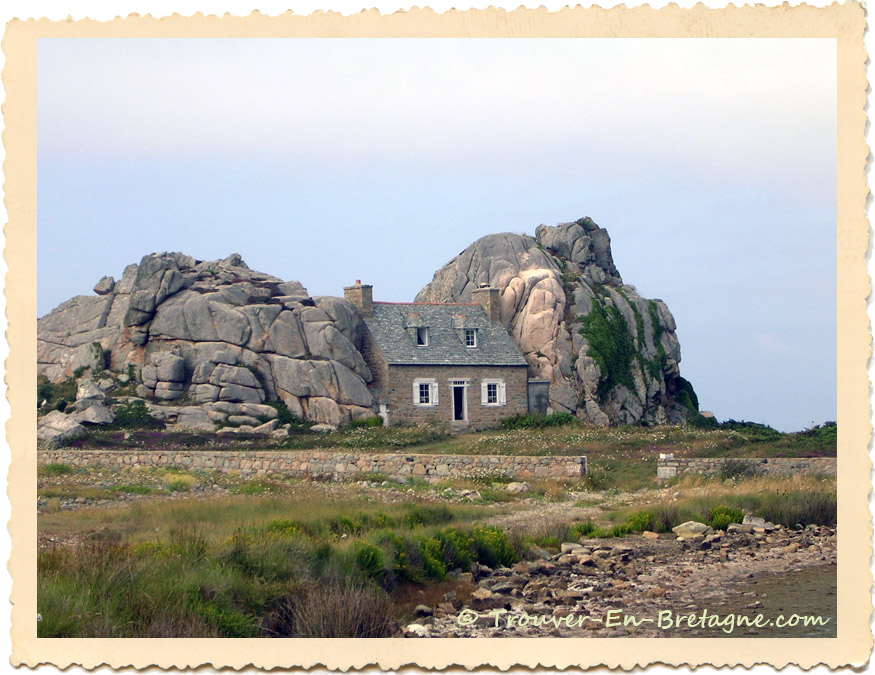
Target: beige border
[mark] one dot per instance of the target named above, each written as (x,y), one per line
(854,642)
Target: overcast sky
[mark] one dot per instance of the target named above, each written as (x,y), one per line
(710,162)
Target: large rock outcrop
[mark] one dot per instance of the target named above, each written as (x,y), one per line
(217,331)
(610,355)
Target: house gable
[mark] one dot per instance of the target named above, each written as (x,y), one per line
(448,363)
(432,334)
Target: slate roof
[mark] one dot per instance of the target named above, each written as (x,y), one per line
(393,327)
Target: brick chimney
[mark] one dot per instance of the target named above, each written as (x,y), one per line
(361,296)
(488,298)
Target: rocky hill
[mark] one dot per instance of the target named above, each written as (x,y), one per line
(210,332)
(611,356)
(214,341)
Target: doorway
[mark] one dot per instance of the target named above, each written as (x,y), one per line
(460,401)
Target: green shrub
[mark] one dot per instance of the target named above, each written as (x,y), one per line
(536,420)
(753,431)
(683,398)
(340,525)
(419,514)
(369,559)
(56,469)
(179,485)
(490,546)
(620,530)
(285,527)
(610,346)
(134,489)
(284,416)
(258,487)
(375,421)
(690,401)
(641,521)
(721,516)
(406,557)
(135,415)
(583,529)
(593,531)
(218,612)
(702,422)
(45,391)
(549,541)
(455,547)
(433,564)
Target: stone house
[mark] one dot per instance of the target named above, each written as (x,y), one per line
(449,363)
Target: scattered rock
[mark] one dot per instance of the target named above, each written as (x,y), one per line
(323,428)
(58,429)
(88,390)
(239,420)
(570,547)
(691,529)
(97,414)
(518,488)
(104,286)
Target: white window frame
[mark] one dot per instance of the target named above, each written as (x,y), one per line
(500,390)
(473,332)
(424,334)
(432,390)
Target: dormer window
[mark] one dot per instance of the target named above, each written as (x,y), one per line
(422,336)
(470,337)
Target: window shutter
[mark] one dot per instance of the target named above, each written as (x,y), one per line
(434,393)
(416,393)
(502,393)
(484,393)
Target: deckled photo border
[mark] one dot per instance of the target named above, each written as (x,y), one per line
(844,23)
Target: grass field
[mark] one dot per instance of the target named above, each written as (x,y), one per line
(252,566)
(206,554)
(300,565)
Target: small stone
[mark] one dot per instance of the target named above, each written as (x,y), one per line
(104,286)
(416,630)
(691,529)
(518,488)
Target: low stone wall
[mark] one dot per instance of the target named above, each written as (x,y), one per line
(668,466)
(337,465)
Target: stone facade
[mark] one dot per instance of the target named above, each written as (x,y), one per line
(397,393)
(668,466)
(379,367)
(337,465)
